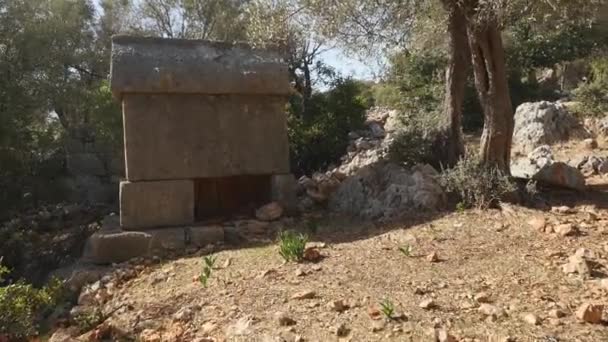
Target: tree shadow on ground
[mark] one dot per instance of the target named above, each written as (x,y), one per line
(595,195)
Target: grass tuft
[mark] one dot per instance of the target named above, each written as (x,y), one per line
(292,245)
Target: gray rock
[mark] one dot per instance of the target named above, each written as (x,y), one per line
(539,165)
(116,247)
(592,165)
(384,191)
(542,123)
(377,130)
(561,174)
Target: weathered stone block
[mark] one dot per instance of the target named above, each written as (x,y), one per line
(156,204)
(190,136)
(176,239)
(204,235)
(155,65)
(116,247)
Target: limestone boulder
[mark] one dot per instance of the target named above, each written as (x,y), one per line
(539,123)
(561,174)
(384,191)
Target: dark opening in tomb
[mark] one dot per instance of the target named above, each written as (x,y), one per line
(230,196)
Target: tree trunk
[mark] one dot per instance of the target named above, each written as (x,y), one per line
(491,81)
(450,143)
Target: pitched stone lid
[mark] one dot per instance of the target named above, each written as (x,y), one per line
(159,65)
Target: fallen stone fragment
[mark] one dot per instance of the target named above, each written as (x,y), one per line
(378,325)
(312,254)
(531,319)
(557,313)
(566,229)
(427,304)
(341,330)
(307,294)
(283,319)
(491,310)
(604,284)
(444,336)
(338,305)
(590,313)
(482,297)
(269,212)
(590,144)
(538,223)
(564,209)
(577,264)
(585,253)
(433,257)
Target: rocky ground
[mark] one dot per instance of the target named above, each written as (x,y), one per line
(515,274)
(512,274)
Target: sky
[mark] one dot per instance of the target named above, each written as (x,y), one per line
(350,66)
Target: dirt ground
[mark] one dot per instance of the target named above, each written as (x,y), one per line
(460,265)
(494,254)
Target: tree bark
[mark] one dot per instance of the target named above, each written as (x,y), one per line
(450,142)
(491,81)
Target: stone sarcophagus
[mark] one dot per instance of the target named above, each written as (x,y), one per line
(204,129)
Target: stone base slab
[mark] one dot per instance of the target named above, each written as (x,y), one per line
(156,204)
(116,246)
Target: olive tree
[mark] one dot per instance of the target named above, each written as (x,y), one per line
(474,28)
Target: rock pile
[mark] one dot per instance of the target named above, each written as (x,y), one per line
(590,165)
(366,184)
(541,123)
(541,166)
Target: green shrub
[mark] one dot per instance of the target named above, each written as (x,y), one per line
(419,78)
(386,95)
(413,145)
(476,185)
(292,245)
(89,320)
(594,94)
(22,306)
(318,137)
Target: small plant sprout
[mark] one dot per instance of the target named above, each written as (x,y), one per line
(208,263)
(292,245)
(387,308)
(406,250)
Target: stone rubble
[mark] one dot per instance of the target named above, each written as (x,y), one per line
(540,165)
(366,184)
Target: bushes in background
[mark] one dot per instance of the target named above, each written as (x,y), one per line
(22,306)
(593,95)
(318,136)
